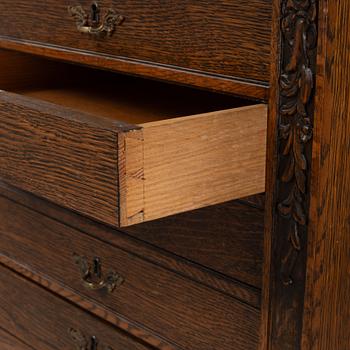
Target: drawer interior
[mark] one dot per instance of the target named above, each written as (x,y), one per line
(182,148)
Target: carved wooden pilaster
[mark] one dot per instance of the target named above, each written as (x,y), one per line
(296,90)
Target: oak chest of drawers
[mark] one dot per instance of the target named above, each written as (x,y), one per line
(169,178)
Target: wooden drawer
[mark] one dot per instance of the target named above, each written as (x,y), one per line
(227,38)
(184,312)
(47,322)
(175,150)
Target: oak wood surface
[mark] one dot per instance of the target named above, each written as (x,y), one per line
(326,321)
(222,38)
(134,329)
(110,95)
(60,154)
(154,254)
(252,91)
(290,133)
(9,342)
(226,238)
(44,321)
(164,180)
(164,169)
(172,306)
(315,314)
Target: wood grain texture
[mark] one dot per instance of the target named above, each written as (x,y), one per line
(9,342)
(202,160)
(226,238)
(43,320)
(327,302)
(63,155)
(271,176)
(222,38)
(167,260)
(149,70)
(131,179)
(168,304)
(120,323)
(289,159)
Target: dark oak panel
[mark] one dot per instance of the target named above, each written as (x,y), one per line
(326,322)
(9,342)
(227,238)
(68,140)
(45,321)
(134,329)
(229,38)
(161,300)
(63,155)
(172,262)
(289,157)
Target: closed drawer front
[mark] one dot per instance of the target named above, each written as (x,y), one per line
(48,323)
(229,38)
(184,312)
(122,150)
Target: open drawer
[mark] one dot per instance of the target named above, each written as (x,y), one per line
(124,150)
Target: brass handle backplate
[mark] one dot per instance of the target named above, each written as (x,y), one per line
(93,24)
(83,343)
(92,276)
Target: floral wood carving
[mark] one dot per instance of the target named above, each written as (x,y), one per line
(299,41)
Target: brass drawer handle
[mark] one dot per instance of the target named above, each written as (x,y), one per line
(93,277)
(82,343)
(92,24)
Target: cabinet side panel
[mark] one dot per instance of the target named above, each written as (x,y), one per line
(290,134)
(327,302)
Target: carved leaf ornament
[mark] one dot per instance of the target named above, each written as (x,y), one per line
(295,124)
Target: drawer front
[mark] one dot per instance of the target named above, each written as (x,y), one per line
(62,155)
(182,311)
(230,38)
(48,323)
